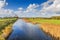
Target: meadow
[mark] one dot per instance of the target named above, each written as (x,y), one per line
(38,20)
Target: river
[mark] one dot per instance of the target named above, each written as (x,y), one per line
(27,31)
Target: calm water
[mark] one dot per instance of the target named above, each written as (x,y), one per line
(27,31)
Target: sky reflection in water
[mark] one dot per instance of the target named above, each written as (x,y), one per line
(27,31)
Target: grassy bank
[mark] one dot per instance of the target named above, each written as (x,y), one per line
(50,26)
(6,27)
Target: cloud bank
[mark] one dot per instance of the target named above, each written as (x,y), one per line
(5,12)
(46,9)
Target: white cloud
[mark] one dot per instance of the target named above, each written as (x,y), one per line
(46,9)
(20,9)
(33,11)
(51,10)
(31,7)
(2,3)
(5,12)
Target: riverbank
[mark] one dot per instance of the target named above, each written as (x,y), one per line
(6,27)
(50,27)
(6,32)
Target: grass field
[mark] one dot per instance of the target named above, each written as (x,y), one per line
(37,20)
(50,26)
(6,26)
(5,22)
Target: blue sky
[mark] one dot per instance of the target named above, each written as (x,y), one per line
(29,8)
(14,4)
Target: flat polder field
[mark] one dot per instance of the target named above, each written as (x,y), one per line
(50,26)
(6,27)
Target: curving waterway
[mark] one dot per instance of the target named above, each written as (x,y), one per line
(27,31)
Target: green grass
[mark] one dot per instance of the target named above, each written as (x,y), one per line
(5,22)
(53,21)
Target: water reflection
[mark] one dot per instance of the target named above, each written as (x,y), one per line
(27,31)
